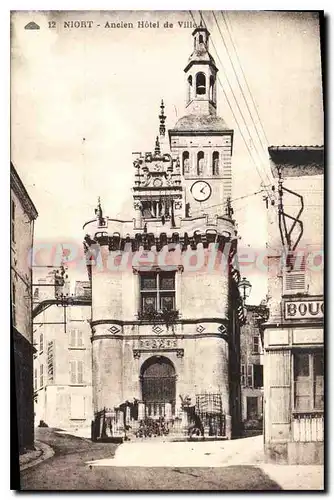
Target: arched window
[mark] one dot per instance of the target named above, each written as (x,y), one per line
(190,83)
(212,82)
(200,39)
(200,84)
(200,163)
(185,162)
(215,163)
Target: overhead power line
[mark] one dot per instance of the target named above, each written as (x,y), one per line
(230,106)
(227,23)
(244,97)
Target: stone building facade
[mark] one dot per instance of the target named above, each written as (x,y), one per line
(293,336)
(165,300)
(62,361)
(251,359)
(23,215)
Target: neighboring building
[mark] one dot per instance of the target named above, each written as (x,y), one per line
(62,363)
(251,358)
(23,215)
(165,310)
(293,336)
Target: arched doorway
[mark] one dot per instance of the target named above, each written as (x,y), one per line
(158,384)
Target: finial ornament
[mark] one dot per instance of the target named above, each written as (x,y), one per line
(162,118)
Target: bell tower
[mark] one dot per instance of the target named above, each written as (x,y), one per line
(201,139)
(201,74)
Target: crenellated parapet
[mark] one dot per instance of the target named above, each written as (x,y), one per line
(116,234)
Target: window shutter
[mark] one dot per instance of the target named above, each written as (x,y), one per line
(294,274)
(250,375)
(79,338)
(80,372)
(73,372)
(72,338)
(243,375)
(294,282)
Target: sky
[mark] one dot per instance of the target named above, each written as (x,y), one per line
(82,100)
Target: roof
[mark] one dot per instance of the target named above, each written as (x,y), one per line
(200,56)
(207,123)
(18,187)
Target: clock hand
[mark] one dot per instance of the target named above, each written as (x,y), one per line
(202,190)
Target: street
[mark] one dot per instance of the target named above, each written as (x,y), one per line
(71,469)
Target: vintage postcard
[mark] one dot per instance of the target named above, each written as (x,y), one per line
(167,300)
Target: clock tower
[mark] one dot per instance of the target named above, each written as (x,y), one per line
(201,139)
(166,310)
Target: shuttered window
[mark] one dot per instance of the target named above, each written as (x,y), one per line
(41,342)
(256,344)
(250,375)
(308,381)
(41,376)
(243,375)
(76,338)
(76,372)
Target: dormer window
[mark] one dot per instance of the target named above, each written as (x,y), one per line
(200,39)
(200,84)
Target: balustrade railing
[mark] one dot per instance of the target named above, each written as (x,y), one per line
(308,427)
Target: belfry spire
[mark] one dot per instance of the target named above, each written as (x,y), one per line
(162,118)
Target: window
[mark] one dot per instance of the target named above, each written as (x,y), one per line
(76,338)
(243,375)
(200,163)
(215,163)
(250,376)
(256,344)
(252,408)
(41,342)
(41,378)
(35,379)
(13,221)
(308,381)
(212,82)
(157,291)
(200,84)
(14,303)
(185,162)
(258,376)
(76,372)
(200,39)
(294,275)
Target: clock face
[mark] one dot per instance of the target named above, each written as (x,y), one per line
(201,190)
